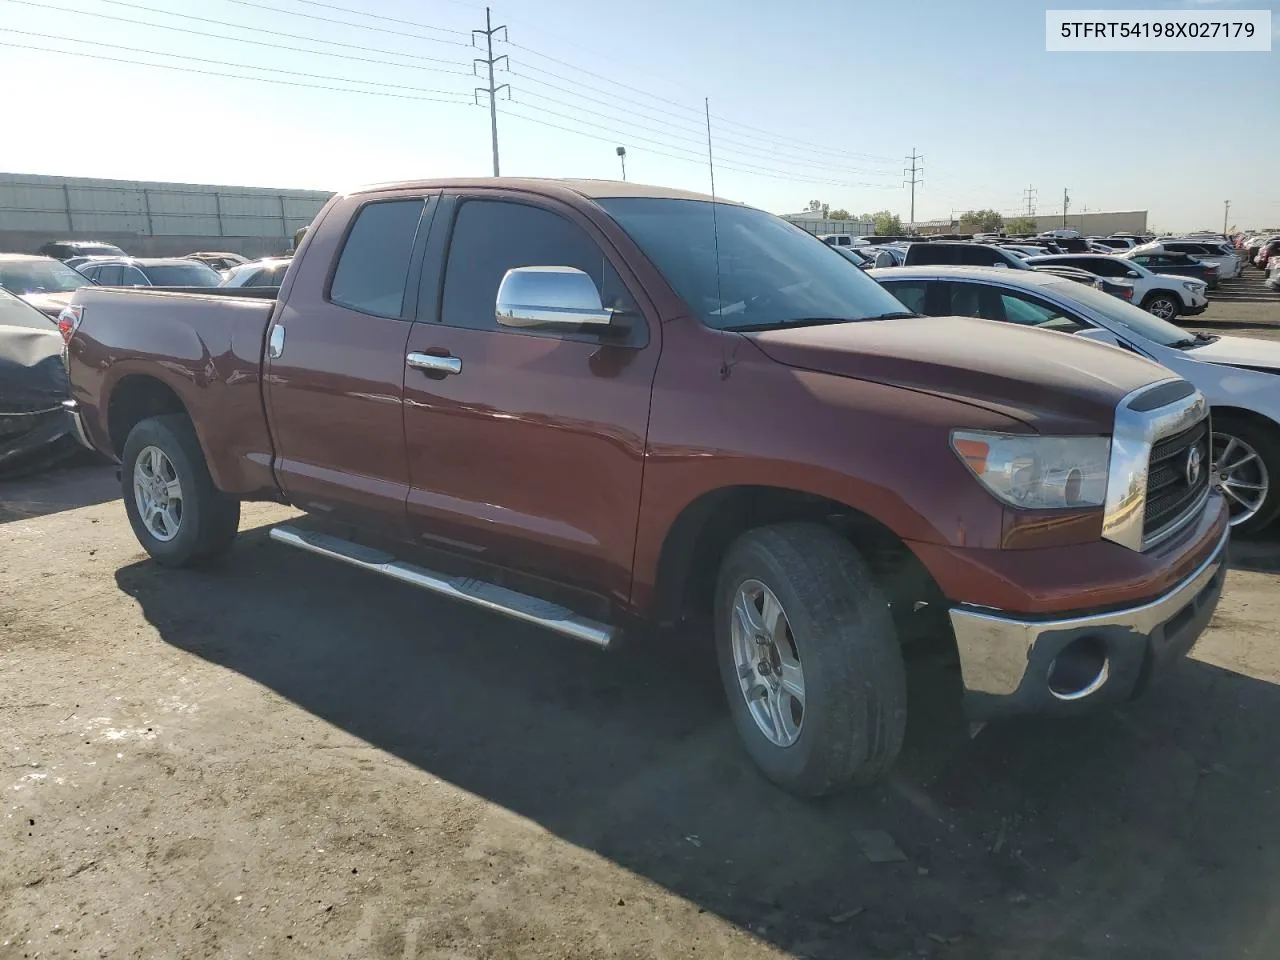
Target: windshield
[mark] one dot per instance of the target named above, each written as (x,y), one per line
(1128,317)
(182,275)
(771,272)
(39,276)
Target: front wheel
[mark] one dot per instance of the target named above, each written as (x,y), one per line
(809,659)
(1246,466)
(1163,305)
(176,512)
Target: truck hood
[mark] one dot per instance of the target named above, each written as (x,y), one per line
(50,304)
(1054,382)
(1239,351)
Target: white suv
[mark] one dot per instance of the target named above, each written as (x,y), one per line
(1163,294)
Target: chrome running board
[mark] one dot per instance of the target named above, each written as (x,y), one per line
(478,593)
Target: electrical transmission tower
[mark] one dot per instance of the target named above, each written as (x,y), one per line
(488,32)
(1029,198)
(913,170)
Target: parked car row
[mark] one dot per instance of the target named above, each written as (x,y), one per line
(1237,375)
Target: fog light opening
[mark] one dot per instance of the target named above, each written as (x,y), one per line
(1080,669)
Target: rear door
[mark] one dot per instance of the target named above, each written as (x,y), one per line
(335,389)
(531,455)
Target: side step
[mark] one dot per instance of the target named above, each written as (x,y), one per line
(478,593)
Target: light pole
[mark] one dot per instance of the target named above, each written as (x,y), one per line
(622,155)
(1226,208)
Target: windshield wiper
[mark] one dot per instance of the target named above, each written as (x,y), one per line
(895,315)
(1185,344)
(794,322)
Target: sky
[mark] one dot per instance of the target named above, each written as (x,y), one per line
(809,99)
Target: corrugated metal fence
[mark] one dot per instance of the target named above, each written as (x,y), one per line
(36,208)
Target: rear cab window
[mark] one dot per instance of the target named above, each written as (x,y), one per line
(373,267)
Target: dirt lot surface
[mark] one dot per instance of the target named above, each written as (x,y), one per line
(287,758)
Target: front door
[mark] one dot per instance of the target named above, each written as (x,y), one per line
(531,454)
(335,391)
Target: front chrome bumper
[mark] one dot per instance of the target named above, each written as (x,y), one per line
(1006,661)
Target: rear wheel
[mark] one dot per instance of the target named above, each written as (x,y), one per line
(1163,304)
(809,659)
(176,512)
(1246,468)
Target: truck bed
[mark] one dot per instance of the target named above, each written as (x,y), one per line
(205,345)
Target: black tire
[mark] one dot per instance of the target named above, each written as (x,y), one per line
(1172,299)
(855,704)
(1265,440)
(209,519)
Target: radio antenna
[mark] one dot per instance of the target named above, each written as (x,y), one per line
(715,228)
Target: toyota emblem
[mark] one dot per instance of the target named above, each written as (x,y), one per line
(1195,462)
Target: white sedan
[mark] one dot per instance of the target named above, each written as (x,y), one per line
(1239,376)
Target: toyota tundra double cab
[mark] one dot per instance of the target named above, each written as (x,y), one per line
(603,408)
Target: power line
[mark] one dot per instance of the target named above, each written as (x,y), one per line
(224,63)
(236,26)
(358,26)
(378,16)
(747,151)
(1029,198)
(736,141)
(257,43)
(699,159)
(232,76)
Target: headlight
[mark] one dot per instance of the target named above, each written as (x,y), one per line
(1192,284)
(1037,473)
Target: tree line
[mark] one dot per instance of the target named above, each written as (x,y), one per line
(890,224)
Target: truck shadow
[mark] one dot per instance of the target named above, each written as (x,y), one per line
(1149,831)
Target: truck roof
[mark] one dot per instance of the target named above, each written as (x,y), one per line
(591,189)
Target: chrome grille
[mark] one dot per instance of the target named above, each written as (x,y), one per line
(1172,492)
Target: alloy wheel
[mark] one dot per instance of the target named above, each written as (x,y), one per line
(768,663)
(157,493)
(1241,475)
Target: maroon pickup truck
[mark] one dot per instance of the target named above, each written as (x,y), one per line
(603,407)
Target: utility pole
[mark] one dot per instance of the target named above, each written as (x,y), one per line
(1226,208)
(488,32)
(1029,196)
(913,170)
(1066,202)
(622,155)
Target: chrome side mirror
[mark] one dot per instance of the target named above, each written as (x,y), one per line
(550,296)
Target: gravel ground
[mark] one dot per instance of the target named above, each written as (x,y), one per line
(284,757)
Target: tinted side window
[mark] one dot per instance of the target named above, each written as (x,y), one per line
(980,257)
(1030,312)
(491,237)
(374,263)
(911,293)
(109,276)
(126,276)
(933,253)
(1105,268)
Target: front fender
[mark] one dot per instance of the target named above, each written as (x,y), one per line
(883,451)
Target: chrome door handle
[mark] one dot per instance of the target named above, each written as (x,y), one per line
(275,344)
(427,361)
